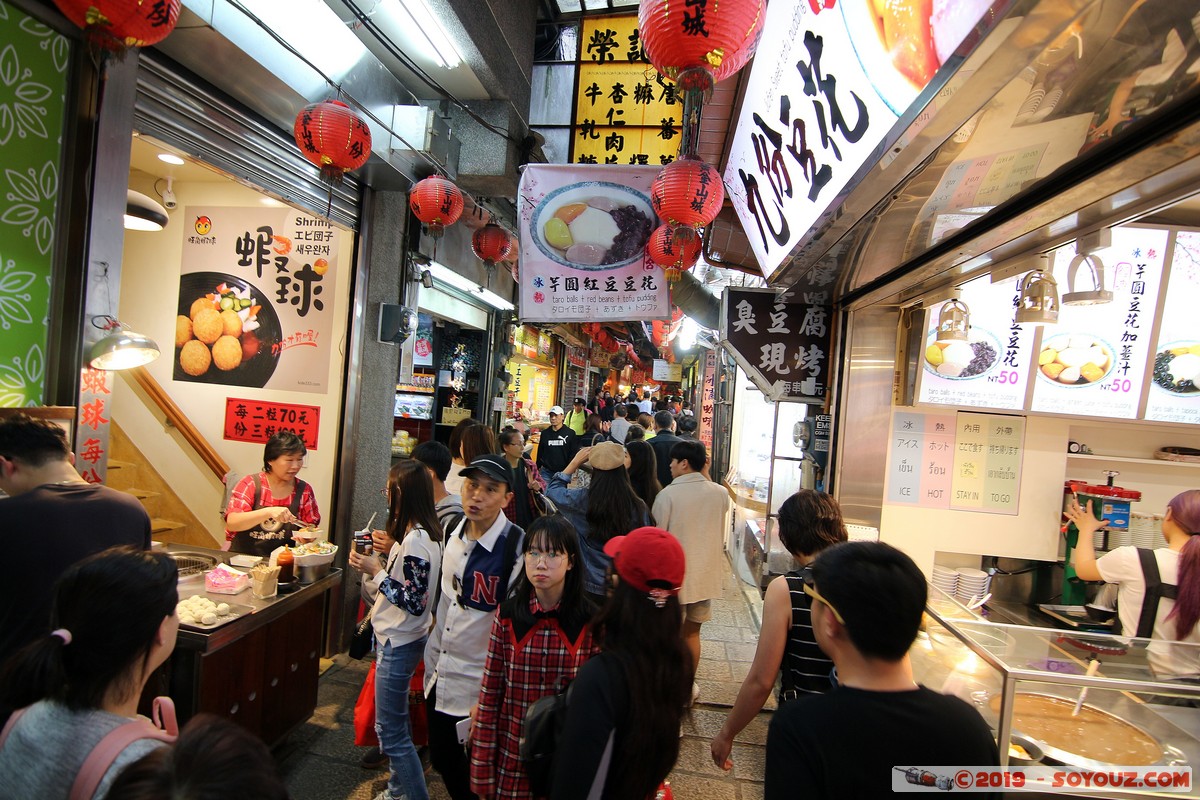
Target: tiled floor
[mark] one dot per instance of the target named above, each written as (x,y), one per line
(320,761)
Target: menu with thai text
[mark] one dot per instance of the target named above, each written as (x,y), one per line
(986,475)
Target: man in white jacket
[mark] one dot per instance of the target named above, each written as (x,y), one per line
(695,510)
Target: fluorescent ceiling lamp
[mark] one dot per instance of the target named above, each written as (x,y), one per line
(171,158)
(415,16)
(310,26)
(143,213)
(449,277)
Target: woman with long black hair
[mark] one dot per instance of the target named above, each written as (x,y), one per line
(627,703)
(607,507)
(539,640)
(401,615)
(114,624)
(643,471)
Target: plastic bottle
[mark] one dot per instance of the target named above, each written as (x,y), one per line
(286,562)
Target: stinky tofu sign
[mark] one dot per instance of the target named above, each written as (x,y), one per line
(829,82)
(782,341)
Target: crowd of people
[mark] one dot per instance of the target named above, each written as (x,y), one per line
(522,584)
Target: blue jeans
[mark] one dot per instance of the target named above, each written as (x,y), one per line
(394,667)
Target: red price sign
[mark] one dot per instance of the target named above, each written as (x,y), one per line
(259,420)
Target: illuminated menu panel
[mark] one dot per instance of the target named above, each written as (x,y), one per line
(1173,394)
(1093,361)
(991,368)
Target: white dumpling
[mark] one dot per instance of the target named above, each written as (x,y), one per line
(222,609)
(187,619)
(209,619)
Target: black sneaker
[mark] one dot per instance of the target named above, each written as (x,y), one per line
(373,759)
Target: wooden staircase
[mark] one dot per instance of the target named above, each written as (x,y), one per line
(170,519)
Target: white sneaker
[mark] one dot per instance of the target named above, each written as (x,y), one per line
(695,692)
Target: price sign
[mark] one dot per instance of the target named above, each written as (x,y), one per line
(1174,392)
(259,420)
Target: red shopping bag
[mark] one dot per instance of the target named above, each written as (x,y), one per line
(418,715)
(364,712)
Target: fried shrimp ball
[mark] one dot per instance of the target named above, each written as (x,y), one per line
(227,353)
(232,323)
(207,325)
(200,304)
(194,358)
(183,330)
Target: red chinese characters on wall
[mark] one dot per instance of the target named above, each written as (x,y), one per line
(259,420)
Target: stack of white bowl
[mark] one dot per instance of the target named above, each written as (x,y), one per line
(972,584)
(945,579)
(1145,530)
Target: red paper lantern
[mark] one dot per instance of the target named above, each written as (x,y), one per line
(674,248)
(116,25)
(436,202)
(687,192)
(491,243)
(697,45)
(332,136)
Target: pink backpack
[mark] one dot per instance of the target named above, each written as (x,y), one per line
(98,762)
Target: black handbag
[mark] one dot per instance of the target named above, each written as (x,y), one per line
(363,638)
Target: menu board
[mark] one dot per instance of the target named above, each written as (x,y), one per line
(964,461)
(1174,392)
(987,463)
(1092,363)
(920,457)
(991,368)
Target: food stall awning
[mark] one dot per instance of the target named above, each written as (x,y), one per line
(1050,119)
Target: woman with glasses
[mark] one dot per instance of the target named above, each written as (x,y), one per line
(527,482)
(809,522)
(401,616)
(264,507)
(539,640)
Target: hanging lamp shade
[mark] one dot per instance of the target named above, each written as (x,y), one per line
(673,252)
(954,322)
(332,136)
(687,192)
(436,202)
(695,44)
(120,348)
(116,25)
(1038,301)
(1097,295)
(491,244)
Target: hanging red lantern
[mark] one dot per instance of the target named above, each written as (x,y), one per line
(687,192)
(696,45)
(436,202)
(332,136)
(673,250)
(491,243)
(116,25)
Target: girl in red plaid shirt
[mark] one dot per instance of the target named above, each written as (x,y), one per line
(539,640)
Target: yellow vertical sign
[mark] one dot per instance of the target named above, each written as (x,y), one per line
(625,112)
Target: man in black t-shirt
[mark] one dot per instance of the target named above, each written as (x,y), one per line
(556,447)
(51,519)
(868,598)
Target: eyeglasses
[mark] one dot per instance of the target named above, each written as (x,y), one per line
(552,558)
(810,589)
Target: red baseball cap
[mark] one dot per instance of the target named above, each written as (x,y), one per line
(648,559)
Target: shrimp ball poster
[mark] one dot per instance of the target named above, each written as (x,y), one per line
(584,230)
(256,297)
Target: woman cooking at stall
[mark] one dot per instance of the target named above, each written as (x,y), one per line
(1158,591)
(265,506)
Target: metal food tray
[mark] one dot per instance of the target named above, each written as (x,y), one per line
(1075,616)
(236,611)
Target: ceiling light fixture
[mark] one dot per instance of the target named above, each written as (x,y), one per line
(441,48)
(120,348)
(954,322)
(143,213)
(171,158)
(1085,249)
(1038,302)
(449,277)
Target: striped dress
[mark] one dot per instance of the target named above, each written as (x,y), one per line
(810,668)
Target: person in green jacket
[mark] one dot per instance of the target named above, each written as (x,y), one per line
(576,418)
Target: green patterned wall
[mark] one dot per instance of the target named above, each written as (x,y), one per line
(33,83)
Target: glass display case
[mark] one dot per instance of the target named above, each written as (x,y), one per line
(1027,683)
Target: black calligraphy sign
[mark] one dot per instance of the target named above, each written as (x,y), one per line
(782,341)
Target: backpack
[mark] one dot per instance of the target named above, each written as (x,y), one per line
(540,731)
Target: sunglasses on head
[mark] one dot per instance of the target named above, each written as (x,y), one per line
(810,589)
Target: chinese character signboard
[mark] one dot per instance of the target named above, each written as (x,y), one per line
(583,239)
(625,112)
(824,92)
(259,420)
(662,370)
(94,421)
(1174,392)
(255,304)
(1093,362)
(782,341)
(708,401)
